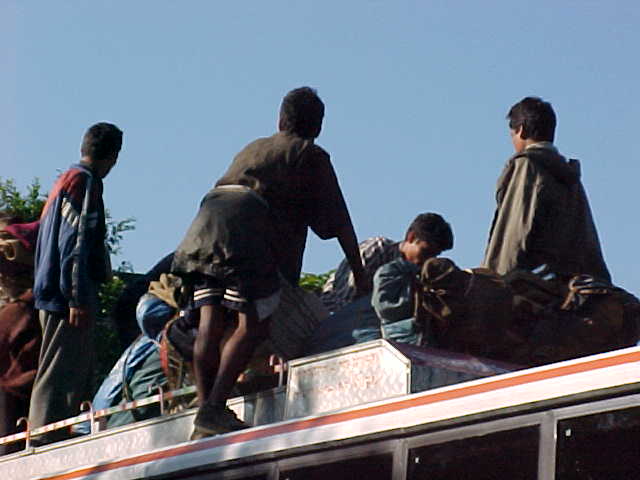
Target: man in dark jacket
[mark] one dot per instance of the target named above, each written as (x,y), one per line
(543,217)
(250,229)
(295,177)
(71,262)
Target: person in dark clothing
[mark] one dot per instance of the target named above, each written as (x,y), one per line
(71,262)
(543,219)
(296,178)
(394,283)
(227,258)
(19,328)
(252,228)
(124,311)
(389,311)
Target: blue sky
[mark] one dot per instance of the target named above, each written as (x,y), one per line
(415,93)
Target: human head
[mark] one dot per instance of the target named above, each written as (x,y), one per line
(533,120)
(301,113)
(100,147)
(427,236)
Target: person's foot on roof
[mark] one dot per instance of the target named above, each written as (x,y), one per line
(215,421)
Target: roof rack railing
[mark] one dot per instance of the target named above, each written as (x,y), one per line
(93,415)
(27,436)
(160,389)
(279,365)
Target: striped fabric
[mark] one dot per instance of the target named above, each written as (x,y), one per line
(212,292)
(340,288)
(207,296)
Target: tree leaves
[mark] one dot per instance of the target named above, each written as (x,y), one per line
(26,207)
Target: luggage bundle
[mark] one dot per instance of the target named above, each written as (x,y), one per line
(295,320)
(467,311)
(521,317)
(563,319)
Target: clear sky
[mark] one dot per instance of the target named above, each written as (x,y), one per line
(415,92)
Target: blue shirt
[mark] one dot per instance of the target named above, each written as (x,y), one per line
(392,299)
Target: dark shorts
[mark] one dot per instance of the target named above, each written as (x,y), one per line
(214,292)
(228,248)
(211,291)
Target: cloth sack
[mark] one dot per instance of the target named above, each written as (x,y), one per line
(469,310)
(585,317)
(295,320)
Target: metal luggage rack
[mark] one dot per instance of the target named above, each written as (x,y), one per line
(318,384)
(94,416)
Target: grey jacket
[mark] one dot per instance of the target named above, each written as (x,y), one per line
(543,218)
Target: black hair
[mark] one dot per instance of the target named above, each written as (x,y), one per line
(432,228)
(101,141)
(535,116)
(302,112)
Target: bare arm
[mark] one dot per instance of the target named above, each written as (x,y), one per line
(349,244)
(331,217)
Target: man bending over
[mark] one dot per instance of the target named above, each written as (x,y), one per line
(252,228)
(394,283)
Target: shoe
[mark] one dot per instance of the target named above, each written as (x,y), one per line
(211,421)
(228,419)
(200,432)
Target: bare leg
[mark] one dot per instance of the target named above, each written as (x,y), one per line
(236,354)
(206,349)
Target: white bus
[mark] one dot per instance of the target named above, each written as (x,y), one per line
(578,419)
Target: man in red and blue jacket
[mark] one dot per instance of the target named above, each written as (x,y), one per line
(71,262)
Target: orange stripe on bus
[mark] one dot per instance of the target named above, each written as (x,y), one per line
(330,419)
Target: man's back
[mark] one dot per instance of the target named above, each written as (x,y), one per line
(296,178)
(543,217)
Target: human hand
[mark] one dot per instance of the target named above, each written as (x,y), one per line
(79,317)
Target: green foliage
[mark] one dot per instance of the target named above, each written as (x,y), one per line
(26,207)
(106,335)
(115,230)
(314,282)
(107,345)
(108,295)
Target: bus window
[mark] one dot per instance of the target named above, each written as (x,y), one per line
(376,467)
(603,445)
(511,454)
